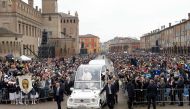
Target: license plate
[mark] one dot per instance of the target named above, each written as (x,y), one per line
(81,107)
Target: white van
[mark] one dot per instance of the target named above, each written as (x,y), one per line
(87,87)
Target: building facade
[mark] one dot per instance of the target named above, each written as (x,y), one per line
(91,43)
(150,40)
(26,24)
(174,39)
(123,44)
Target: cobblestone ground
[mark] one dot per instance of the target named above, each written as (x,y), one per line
(52,105)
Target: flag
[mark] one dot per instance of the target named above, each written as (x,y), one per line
(25,83)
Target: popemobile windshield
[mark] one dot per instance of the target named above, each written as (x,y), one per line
(87,86)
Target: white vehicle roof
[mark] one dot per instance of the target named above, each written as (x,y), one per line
(97,62)
(100,62)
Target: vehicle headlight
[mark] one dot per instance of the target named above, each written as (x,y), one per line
(70,100)
(93,100)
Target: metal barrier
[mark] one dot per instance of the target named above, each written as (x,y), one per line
(163,95)
(43,95)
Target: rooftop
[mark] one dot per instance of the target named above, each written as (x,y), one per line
(88,36)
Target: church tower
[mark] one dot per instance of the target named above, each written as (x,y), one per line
(49,6)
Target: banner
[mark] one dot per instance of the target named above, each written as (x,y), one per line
(25,83)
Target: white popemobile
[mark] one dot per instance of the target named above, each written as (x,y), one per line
(87,86)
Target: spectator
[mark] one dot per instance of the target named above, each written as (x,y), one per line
(131,92)
(180,87)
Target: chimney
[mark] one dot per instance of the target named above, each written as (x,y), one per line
(183,20)
(76,14)
(162,27)
(40,10)
(31,2)
(189,15)
(37,8)
(170,24)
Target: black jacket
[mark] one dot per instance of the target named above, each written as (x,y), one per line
(180,84)
(106,88)
(116,84)
(61,94)
(68,86)
(152,90)
(130,89)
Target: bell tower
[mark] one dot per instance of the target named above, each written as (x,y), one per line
(49,6)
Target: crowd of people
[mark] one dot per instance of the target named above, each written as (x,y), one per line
(153,77)
(45,74)
(146,78)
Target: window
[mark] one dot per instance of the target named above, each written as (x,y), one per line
(23,29)
(70,21)
(27,30)
(23,49)
(67,21)
(64,31)
(64,21)
(3,4)
(19,28)
(27,52)
(49,18)
(92,40)
(74,21)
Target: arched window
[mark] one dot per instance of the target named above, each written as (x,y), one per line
(67,21)
(71,21)
(74,20)
(64,21)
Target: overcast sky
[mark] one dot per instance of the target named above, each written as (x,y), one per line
(125,18)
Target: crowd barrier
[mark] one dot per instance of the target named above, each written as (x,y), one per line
(166,95)
(41,95)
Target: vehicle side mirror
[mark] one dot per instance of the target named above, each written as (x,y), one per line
(71,88)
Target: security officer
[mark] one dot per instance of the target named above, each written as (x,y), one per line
(110,92)
(151,94)
(131,92)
